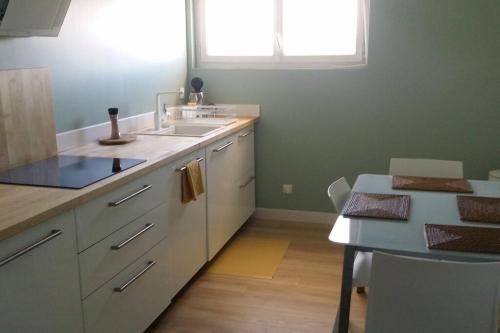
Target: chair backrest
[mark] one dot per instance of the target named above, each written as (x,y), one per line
(426,168)
(418,295)
(338,191)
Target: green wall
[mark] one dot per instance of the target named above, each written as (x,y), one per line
(106,55)
(431,90)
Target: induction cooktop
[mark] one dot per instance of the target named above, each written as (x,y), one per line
(65,171)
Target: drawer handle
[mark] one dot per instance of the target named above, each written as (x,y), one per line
(221,148)
(248,182)
(53,234)
(130,196)
(246,134)
(135,277)
(131,238)
(199,159)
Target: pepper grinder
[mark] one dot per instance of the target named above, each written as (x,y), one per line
(116,138)
(113,116)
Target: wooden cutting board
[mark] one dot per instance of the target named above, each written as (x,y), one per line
(27,126)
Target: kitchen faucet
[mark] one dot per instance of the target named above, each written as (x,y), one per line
(158,117)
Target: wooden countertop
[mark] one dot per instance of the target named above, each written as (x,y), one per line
(22,207)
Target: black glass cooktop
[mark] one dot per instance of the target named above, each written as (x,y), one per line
(67,171)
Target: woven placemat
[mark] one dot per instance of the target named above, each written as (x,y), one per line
(479,209)
(386,206)
(431,184)
(465,239)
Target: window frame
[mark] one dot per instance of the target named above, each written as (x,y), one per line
(278,60)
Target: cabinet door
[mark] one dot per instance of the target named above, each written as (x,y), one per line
(187,226)
(222,186)
(39,289)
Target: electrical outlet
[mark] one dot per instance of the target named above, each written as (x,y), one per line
(182,93)
(287,188)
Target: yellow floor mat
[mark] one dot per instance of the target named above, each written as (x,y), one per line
(250,256)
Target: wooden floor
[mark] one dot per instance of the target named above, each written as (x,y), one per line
(302,297)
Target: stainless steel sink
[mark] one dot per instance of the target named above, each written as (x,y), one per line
(184,130)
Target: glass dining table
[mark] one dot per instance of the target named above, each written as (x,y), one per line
(402,237)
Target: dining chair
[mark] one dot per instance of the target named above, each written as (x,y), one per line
(414,295)
(426,168)
(339,191)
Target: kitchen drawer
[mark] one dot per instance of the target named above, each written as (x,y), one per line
(100,217)
(39,289)
(138,305)
(245,150)
(102,261)
(246,196)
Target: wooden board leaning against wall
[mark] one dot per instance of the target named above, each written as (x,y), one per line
(27,125)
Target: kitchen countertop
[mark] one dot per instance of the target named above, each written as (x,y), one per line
(22,207)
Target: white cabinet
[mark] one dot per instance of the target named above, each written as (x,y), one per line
(39,289)
(120,258)
(187,225)
(231,187)
(222,196)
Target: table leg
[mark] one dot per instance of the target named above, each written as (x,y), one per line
(345,292)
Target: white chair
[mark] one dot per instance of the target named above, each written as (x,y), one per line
(338,192)
(414,295)
(426,168)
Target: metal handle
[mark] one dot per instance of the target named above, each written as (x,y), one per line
(130,196)
(199,159)
(135,277)
(53,234)
(131,238)
(223,147)
(245,134)
(248,182)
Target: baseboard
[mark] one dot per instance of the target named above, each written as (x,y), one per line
(85,135)
(294,215)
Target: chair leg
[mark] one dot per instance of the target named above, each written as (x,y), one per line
(360,290)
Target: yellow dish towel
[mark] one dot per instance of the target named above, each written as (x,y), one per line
(192,182)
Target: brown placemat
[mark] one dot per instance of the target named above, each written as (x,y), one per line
(386,206)
(479,209)
(431,184)
(465,239)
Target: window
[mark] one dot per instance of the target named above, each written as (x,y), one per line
(280,33)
